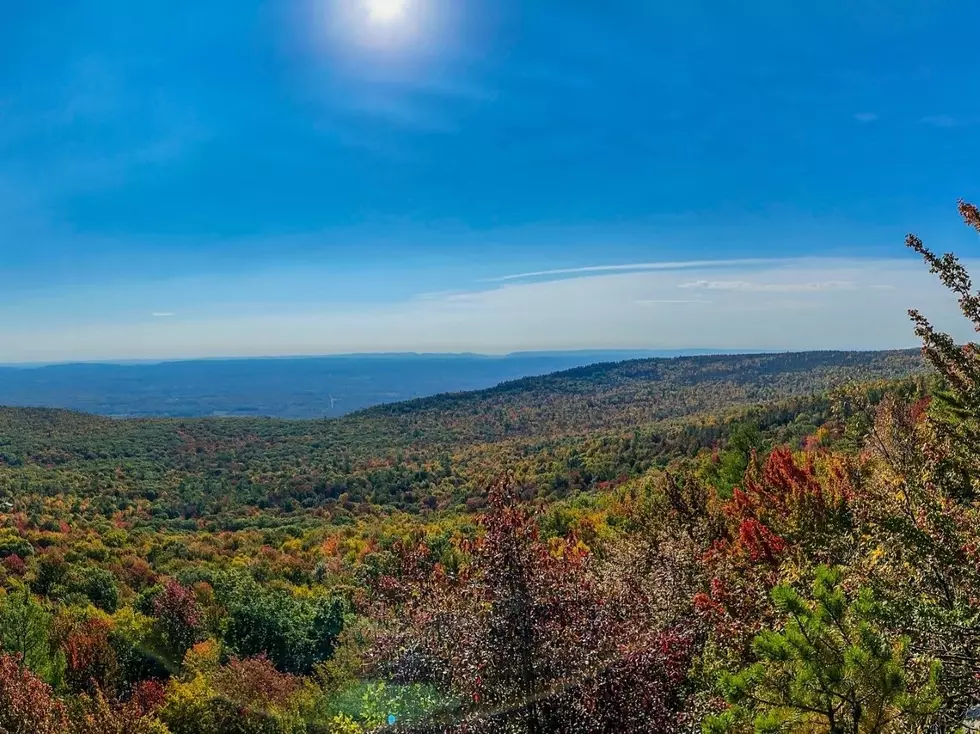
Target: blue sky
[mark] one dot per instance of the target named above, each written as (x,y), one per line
(238,177)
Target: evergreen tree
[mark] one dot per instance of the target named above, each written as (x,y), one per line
(832,668)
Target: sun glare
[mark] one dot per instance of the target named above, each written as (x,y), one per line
(386,11)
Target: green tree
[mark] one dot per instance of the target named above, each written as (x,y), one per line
(833,668)
(295,633)
(25,631)
(100,587)
(744,440)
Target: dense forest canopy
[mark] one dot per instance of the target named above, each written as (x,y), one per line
(561,433)
(753,543)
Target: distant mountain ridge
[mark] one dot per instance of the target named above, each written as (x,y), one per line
(621,395)
(284,387)
(561,432)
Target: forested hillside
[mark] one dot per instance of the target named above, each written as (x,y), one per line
(560,433)
(728,544)
(633,393)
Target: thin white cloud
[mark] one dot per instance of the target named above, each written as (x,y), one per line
(942,121)
(649,301)
(401,112)
(631,267)
(742,285)
(865,117)
(796,304)
(436,295)
(162,314)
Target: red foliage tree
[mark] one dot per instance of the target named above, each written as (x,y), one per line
(15,565)
(254,683)
(90,660)
(533,641)
(27,704)
(789,507)
(179,618)
(792,501)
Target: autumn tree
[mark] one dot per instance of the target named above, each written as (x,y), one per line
(916,510)
(27,704)
(91,663)
(527,638)
(178,618)
(96,713)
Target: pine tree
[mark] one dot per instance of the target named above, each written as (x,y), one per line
(831,669)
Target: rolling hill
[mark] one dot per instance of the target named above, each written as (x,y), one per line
(562,432)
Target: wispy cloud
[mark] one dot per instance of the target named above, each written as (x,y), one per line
(797,304)
(627,267)
(162,314)
(742,285)
(943,121)
(436,295)
(400,111)
(443,88)
(865,117)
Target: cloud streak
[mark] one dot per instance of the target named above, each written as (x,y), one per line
(793,304)
(741,285)
(942,121)
(592,269)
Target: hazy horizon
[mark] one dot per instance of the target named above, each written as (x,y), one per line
(122,362)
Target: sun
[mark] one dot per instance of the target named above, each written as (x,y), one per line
(386,11)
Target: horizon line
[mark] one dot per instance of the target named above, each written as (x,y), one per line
(666,352)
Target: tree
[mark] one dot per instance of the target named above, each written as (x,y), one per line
(528,638)
(743,441)
(96,714)
(254,683)
(294,633)
(27,704)
(918,511)
(178,619)
(833,668)
(955,413)
(25,630)
(91,664)
(243,697)
(50,572)
(100,587)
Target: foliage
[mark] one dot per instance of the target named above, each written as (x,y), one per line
(295,633)
(179,619)
(831,668)
(527,640)
(27,704)
(25,631)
